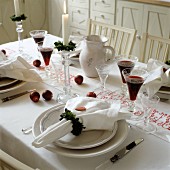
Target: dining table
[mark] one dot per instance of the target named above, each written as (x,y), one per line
(152,154)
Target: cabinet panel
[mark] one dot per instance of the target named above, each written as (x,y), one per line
(79,3)
(78,17)
(130,15)
(107,6)
(156,20)
(102,17)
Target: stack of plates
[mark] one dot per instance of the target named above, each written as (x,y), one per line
(164,92)
(8,84)
(88,143)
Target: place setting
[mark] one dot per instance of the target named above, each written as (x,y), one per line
(95,139)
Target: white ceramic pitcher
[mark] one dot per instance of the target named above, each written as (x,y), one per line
(93,52)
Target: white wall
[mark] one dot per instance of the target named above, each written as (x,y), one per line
(55,10)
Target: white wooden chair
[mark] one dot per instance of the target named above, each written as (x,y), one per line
(120,38)
(154,47)
(7,162)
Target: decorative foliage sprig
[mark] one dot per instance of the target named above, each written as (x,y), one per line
(77,125)
(167,62)
(60,47)
(18,18)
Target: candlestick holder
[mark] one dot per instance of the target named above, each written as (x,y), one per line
(19,30)
(67,94)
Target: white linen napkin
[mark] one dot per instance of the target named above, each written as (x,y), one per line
(157,77)
(99,115)
(19,69)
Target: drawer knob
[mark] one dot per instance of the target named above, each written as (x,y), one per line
(103,1)
(78,11)
(102,16)
(138,37)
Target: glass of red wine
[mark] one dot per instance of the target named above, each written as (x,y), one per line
(134,78)
(38,36)
(46,53)
(148,104)
(124,62)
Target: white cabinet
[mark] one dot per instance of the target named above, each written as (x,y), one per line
(130,15)
(78,15)
(156,20)
(34,10)
(103,11)
(144,18)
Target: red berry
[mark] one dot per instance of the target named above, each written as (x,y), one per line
(78,79)
(91,94)
(4,51)
(47,95)
(34,96)
(37,63)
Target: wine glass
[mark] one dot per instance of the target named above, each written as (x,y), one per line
(134,78)
(123,62)
(148,104)
(38,36)
(46,53)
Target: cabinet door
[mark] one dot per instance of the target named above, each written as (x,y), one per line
(129,14)
(156,20)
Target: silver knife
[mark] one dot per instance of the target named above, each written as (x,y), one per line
(120,154)
(5,99)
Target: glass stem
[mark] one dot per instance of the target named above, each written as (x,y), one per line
(131,106)
(67,88)
(19,30)
(103,83)
(146,118)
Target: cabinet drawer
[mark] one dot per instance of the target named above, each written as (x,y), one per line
(79,3)
(103,5)
(76,31)
(78,17)
(103,17)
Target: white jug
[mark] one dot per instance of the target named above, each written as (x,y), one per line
(93,52)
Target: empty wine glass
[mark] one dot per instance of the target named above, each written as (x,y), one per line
(134,79)
(123,62)
(103,72)
(148,104)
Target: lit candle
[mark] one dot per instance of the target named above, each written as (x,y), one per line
(16,6)
(65,26)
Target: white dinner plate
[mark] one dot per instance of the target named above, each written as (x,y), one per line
(119,137)
(88,139)
(13,86)
(5,81)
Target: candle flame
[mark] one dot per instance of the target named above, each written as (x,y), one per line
(64,7)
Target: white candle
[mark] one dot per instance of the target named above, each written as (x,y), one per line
(17,9)
(65,26)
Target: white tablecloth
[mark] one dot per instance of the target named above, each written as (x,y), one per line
(152,154)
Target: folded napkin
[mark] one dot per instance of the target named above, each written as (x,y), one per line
(19,69)
(157,76)
(99,115)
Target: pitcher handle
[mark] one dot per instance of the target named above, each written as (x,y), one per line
(112,52)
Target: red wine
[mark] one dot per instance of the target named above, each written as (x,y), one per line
(38,38)
(46,53)
(134,83)
(123,64)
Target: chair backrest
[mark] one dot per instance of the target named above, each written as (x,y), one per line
(120,38)
(154,47)
(8,162)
